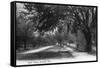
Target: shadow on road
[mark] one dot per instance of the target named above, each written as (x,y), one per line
(44,55)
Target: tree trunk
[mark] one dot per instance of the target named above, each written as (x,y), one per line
(24,44)
(87,35)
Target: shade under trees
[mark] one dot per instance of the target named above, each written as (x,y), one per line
(42,18)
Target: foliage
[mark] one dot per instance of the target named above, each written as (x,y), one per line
(41,18)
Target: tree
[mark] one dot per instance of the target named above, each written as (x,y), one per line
(84,17)
(76,18)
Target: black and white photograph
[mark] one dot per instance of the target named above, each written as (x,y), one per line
(54,33)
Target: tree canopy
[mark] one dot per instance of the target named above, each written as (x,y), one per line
(42,18)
